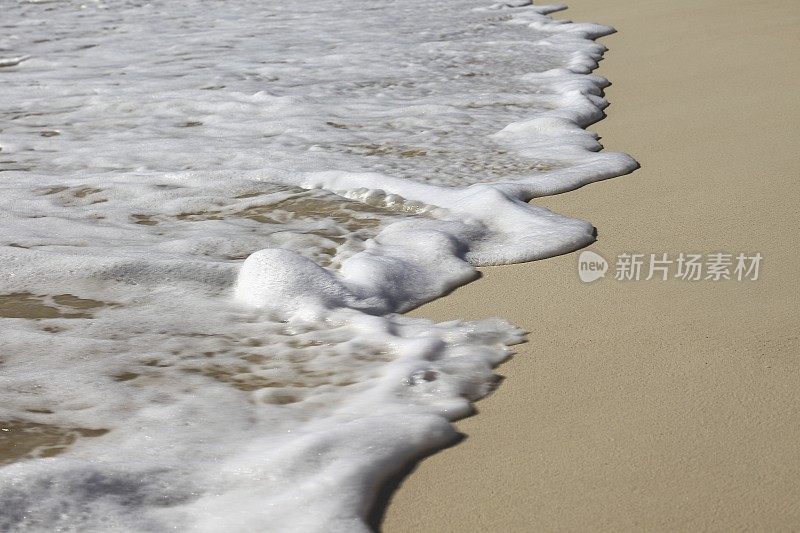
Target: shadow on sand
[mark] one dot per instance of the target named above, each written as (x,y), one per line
(384,497)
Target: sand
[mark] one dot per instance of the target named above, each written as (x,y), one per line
(651,405)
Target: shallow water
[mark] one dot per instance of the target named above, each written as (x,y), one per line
(212,213)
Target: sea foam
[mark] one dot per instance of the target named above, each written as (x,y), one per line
(213,215)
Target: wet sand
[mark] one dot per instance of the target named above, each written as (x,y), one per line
(648,405)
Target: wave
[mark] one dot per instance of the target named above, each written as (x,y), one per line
(215,215)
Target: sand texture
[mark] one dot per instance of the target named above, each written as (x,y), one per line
(651,406)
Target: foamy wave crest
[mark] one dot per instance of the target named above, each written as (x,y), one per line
(214,215)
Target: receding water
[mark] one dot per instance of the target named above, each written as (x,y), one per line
(213,212)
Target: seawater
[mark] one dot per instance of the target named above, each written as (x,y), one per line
(213,214)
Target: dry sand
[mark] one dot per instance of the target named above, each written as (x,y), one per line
(645,405)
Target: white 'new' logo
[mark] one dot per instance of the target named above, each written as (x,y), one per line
(591,266)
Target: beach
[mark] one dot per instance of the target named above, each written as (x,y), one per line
(650,405)
(217,216)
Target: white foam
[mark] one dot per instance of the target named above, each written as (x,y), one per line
(218,217)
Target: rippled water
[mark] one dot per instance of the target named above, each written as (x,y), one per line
(137,86)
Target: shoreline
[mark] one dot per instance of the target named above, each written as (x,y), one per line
(649,405)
